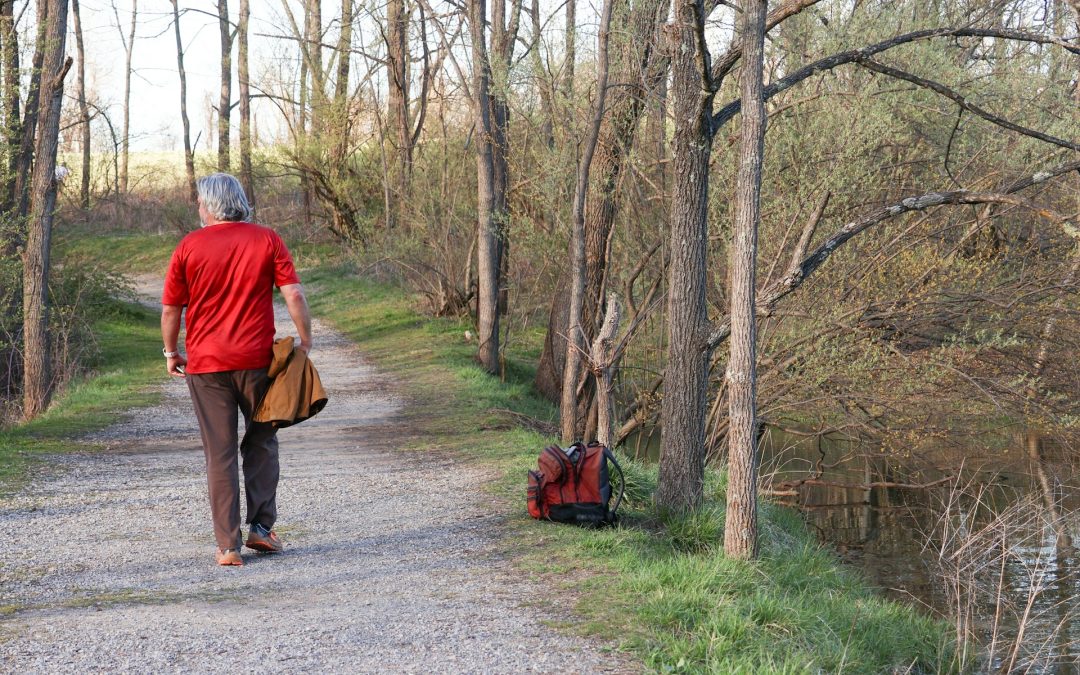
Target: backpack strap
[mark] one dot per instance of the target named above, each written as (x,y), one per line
(622,478)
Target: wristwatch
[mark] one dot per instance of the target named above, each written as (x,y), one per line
(169,354)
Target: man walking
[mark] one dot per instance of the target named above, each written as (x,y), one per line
(224,275)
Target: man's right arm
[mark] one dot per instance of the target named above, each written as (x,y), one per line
(170,336)
(296,302)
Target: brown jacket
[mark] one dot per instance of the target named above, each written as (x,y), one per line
(296,392)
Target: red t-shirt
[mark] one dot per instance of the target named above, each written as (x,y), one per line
(225,274)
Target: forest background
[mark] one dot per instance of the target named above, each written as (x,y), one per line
(893,260)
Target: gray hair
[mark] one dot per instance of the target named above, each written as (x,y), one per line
(223,197)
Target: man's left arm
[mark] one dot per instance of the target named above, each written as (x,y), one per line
(296,302)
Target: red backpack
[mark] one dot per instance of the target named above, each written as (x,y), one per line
(573,485)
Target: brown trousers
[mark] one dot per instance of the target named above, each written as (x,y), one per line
(217,396)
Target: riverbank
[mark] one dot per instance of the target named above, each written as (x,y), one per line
(659,586)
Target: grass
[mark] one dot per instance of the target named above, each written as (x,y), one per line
(128,363)
(659,586)
(134,252)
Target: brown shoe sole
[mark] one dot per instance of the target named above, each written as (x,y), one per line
(228,561)
(263,546)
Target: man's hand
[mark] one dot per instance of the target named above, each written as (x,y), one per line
(306,347)
(174,365)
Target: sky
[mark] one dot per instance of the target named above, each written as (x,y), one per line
(155,94)
(155,84)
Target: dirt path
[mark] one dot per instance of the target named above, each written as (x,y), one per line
(109,555)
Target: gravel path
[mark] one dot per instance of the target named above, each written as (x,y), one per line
(108,556)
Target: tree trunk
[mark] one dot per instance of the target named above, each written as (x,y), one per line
(84,110)
(246,178)
(682,436)
(313,45)
(487,224)
(576,344)
(189,155)
(341,86)
(740,525)
(634,73)
(30,112)
(570,51)
(36,371)
(501,46)
(397,56)
(225,99)
(302,114)
(12,127)
(603,357)
(125,138)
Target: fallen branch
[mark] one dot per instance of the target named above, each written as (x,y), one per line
(530,423)
(792,484)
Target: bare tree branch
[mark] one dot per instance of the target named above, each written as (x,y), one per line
(959,99)
(800,272)
(725,114)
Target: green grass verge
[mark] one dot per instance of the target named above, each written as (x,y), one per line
(661,587)
(128,362)
(128,251)
(124,252)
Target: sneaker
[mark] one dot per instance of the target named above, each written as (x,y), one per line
(229,557)
(262,539)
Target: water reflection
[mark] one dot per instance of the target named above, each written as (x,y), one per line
(982,536)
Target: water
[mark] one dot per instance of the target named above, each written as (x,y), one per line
(972,532)
(975,534)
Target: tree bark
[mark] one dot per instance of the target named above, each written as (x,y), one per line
(12,126)
(576,343)
(36,367)
(125,136)
(225,98)
(740,524)
(246,178)
(31,111)
(492,114)
(302,114)
(84,109)
(682,436)
(487,224)
(503,37)
(189,155)
(313,49)
(570,57)
(341,85)
(603,359)
(397,56)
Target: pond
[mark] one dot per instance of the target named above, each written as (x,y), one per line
(979,535)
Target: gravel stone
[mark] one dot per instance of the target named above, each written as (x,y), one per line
(392,559)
